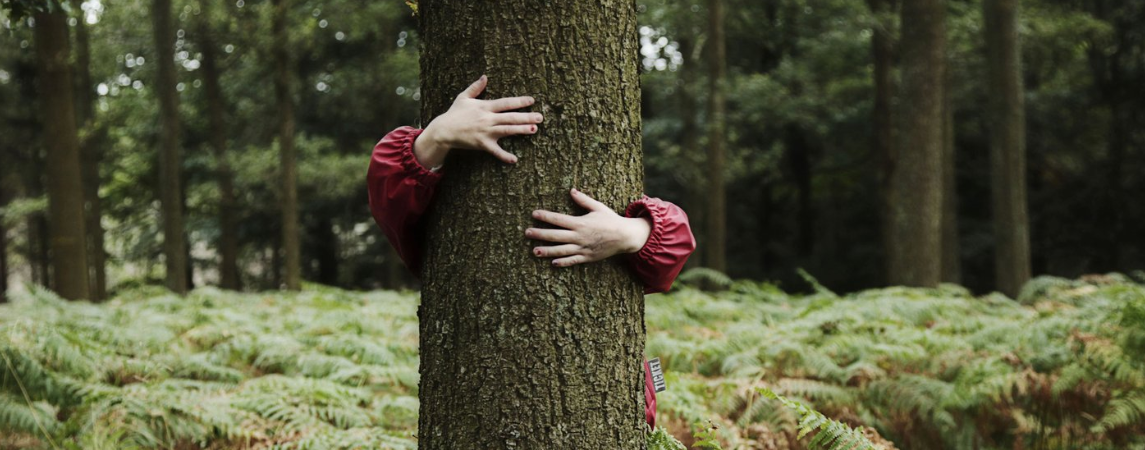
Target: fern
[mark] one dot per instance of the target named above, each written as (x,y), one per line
(829,434)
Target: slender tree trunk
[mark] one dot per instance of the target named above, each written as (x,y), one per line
(4,196)
(65,188)
(917,260)
(882,48)
(216,115)
(514,352)
(951,249)
(291,245)
(799,162)
(716,254)
(1007,146)
(690,138)
(91,154)
(170,149)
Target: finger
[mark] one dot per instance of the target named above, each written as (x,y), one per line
(474,89)
(516,118)
(508,103)
(495,149)
(587,202)
(560,220)
(570,261)
(551,235)
(501,131)
(557,250)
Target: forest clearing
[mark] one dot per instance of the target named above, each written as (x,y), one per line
(325,368)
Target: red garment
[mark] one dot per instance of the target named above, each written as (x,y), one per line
(401,190)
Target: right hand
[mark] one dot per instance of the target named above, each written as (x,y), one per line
(475,124)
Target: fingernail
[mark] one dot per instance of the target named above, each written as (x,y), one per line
(537,251)
(513,160)
(533,128)
(540,118)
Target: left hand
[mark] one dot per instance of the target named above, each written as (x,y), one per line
(592,237)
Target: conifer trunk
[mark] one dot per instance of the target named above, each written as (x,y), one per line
(882,49)
(91,155)
(216,115)
(951,247)
(65,188)
(1007,146)
(170,149)
(716,254)
(514,352)
(288,169)
(917,260)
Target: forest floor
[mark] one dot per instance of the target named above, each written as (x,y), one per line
(1061,367)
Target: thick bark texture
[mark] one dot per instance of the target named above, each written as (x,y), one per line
(514,352)
(882,49)
(288,168)
(65,188)
(716,254)
(170,149)
(951,248)
(917,210)
(90,152)
(216,115)
(1007,146)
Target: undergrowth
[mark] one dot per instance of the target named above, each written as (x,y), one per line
(1058,368)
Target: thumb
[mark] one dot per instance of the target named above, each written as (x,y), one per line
(587,202)
(474,89)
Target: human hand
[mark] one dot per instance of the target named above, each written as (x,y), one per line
(592,237)
(475,124)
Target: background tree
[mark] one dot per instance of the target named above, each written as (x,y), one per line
(513,350)
(170,149)
(288,170)
(228,244)
(1007,145)
(917,260)
(65,186)
(91,139)
(882,52)
(716,245)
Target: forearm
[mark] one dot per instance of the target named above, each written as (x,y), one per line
(429,148)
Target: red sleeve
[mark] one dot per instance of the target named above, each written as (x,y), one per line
(400,191)
(668,246)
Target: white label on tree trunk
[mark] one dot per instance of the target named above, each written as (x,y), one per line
(657,375)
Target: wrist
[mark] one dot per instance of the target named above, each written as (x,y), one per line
(429,149)
(638,230)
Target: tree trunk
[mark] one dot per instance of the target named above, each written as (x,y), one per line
(690,139)
(515,352)
(216,114)
(917,260)
(291,245)
(4,194)
(1007,146)
(799,163)
(90,152)
(170,149)
(882,47)
(65,188)
(716,255)
(951,249)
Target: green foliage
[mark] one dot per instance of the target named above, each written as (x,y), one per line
(829,434)
(327,368)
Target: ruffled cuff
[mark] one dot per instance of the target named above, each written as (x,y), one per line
(409,161)
(654,243)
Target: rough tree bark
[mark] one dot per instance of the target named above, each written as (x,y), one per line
(882,48)
(288,168)
(216,114)
(516,353)
(91,155)
(716,255)
(951,248)
(65,188)
(917,260)
(1007,146)
(170,149)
